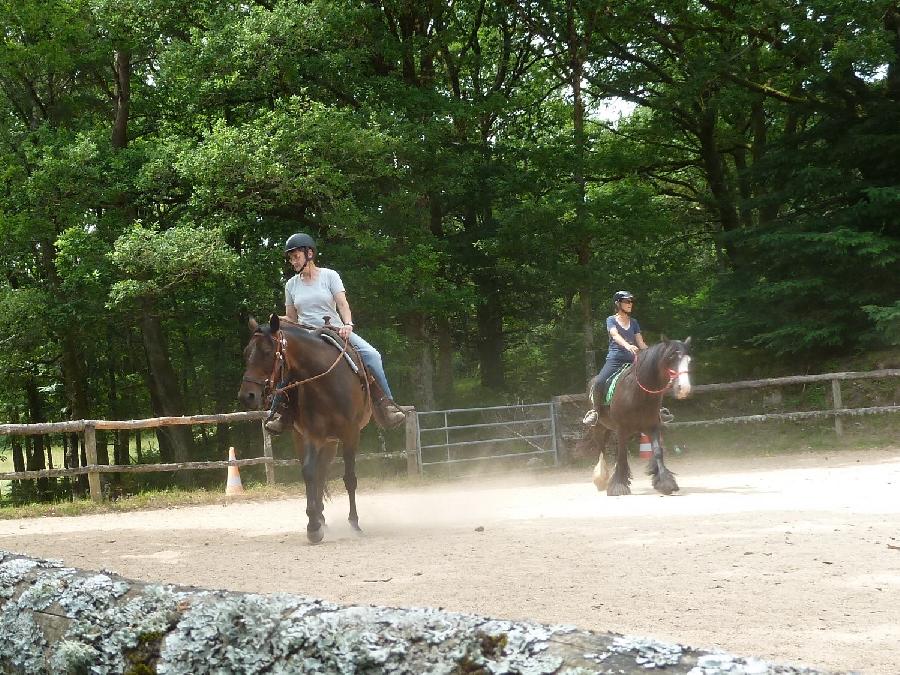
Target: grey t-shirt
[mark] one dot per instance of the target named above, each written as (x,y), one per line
(314,300)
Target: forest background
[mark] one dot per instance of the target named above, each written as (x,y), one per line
(484,174)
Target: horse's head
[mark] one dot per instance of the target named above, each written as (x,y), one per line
(259,357)
(679,364)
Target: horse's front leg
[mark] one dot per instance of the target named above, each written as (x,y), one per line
(314,529)
(350,481)
(621,478)
(663,480)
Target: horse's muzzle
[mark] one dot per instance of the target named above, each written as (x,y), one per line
(681,391)
(251,397)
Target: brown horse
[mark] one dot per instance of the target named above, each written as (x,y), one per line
(635,409)
(329,405)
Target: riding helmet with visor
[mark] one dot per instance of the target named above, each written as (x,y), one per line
(299,240)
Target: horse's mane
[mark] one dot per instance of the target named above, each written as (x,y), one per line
(648,361)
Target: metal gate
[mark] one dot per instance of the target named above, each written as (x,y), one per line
(482,438)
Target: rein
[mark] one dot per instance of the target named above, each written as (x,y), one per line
(279,364)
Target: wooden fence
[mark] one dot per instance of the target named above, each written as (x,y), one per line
(837,410)
(93,469)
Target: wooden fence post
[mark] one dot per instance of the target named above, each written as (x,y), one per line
(90,451)
(267,451)
(836,404)
(412,441)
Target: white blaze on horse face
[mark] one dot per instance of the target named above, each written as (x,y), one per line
(683,383)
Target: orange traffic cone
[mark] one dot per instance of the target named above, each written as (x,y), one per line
(645,450)
(233,485)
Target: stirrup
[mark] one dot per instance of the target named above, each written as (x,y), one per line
(665,416)
(590,418)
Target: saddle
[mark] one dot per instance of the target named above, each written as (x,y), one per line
(331,336)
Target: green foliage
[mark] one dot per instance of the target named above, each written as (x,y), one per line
(157,263)
(436,152)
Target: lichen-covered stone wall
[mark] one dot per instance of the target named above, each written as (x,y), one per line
(56,619)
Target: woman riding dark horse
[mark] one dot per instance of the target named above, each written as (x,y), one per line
(313,297)
(331,404)
(634,408)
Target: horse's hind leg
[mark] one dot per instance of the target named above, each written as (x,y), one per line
(314,529)
(620,482)
(663,480)
(600,476)
(350,483)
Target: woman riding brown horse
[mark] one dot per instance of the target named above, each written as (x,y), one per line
(634,409)
(329,402)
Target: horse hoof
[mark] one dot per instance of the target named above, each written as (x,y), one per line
(354,524)
(617,490)
(315,536)
(666,485)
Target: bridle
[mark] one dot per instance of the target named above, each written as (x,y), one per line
(268,385)
(671,372)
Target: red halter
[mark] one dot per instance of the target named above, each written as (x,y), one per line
(670,371)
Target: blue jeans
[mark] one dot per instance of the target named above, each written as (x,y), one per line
(372,358)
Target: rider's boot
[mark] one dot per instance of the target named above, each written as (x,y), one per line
(593,415)
(278,419)
(387,413)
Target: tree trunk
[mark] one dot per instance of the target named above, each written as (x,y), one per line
(35,459)
(576,70)
(122,65)
(444,381)
(18,454)
(175,443)
(587,317)
(716,177)
(491,341)
(423,378)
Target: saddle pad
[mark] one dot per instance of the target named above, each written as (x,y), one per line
(332,340)
(613,381)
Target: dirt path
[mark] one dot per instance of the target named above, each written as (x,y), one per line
(791,558)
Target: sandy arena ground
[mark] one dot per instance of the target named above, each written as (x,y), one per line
(791,558)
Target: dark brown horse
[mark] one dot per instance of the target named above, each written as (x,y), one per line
(634,409)
(330,405)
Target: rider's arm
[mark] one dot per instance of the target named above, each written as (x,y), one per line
(343,308)
(614,334)
(291,312)
(639,339)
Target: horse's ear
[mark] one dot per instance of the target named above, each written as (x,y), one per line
(274,323)
(687,343)
(253,325)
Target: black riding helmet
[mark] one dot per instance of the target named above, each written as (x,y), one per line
(299,240)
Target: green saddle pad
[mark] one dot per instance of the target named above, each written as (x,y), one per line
(613,381)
